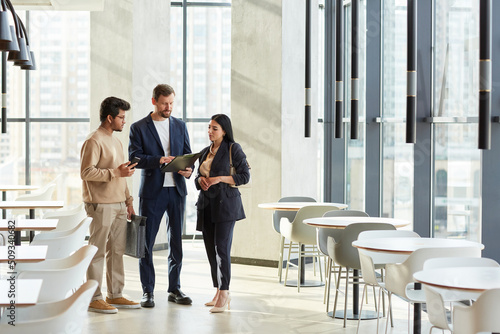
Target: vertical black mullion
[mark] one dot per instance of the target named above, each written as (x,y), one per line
(373,170)
(339,68)
(184,59)
(484,138)
(328,118)
(490,160)
(354,69)
(411,82)
(307,107)
(423,150)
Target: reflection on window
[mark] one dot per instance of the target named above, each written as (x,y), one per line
(457,160)
(397,168)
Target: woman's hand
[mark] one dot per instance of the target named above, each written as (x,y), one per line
(206,182)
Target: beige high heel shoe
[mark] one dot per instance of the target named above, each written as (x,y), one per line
(223,307)
(213,301)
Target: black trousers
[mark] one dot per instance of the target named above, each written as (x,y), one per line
(218,238)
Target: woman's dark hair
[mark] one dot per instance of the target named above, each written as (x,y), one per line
(111,106)
(225,124)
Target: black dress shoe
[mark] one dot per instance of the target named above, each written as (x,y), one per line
(179,297)
(148,300)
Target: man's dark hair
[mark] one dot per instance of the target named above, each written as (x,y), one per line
(162,89)
(112,106)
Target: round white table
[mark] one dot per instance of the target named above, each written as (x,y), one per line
(406,246)
(342,222)
(296,206)
(473,279)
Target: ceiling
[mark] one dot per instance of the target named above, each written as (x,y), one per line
(82,5)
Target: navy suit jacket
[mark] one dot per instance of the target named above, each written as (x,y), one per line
(145,144)
(224,200)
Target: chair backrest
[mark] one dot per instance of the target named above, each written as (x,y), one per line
(322,233)
(290,215)
(399,275)
(68,219)
(482,316)
(297,231)
(59,276)
(367,268)
(344,253)
(52,317)
(436,311)
(65,242)
(44,194)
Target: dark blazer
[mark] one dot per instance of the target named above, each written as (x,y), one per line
(145,144)
(224,200)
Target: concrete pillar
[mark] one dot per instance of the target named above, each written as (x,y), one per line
(267,108)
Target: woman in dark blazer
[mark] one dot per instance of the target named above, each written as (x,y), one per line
(219,205)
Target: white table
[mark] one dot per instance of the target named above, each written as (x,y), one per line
(24,253)
(296,206)
(26,292)
(406,246)
(472,279)
(342,222)
(14,187)
(28,224)
(31,205)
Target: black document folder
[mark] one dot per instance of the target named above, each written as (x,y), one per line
(180,162)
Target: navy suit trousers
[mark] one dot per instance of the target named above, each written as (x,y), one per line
(173,204)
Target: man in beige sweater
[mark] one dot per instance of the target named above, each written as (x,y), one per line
(108,201)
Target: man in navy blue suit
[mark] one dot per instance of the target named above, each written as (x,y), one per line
(157,139)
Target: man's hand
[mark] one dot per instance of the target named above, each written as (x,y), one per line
(166,160)
(130,211)
(187,172)
(126,169)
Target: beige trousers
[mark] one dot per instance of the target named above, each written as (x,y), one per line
(108,232)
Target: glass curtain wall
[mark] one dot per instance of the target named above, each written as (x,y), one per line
(44,138)
(397,156)
(200,72)
(457,167)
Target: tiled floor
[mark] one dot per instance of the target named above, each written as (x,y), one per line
(259,304)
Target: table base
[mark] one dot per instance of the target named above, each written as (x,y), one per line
(305,284)
(365,315)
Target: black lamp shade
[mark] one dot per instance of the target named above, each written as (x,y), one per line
(22,55)
(32,64)
(5,35)
(12,45)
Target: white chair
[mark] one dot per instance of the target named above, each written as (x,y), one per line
(53,317)
(290,215)
(346,256)
(62,243)
(322,234)
(43,194)
(482,316)
(370,261)
(399,276)
(59,276)
(68,218)
(303,234)
(436,311)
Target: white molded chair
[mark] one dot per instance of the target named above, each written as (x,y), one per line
(322,240)
(399,276)
(62,243)
(68,218)
(370,261)
(346,255)
(303,234)
(43,194)
(290,215)
(60,276)
(436,311)
(69,314)
(482,316)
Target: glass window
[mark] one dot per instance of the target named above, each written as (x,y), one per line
(457,167)
(12,157)
(397,168)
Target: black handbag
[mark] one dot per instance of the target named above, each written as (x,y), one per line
(136,237)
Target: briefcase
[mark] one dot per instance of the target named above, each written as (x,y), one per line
(136,237)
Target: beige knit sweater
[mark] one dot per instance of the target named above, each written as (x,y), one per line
(100,157)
